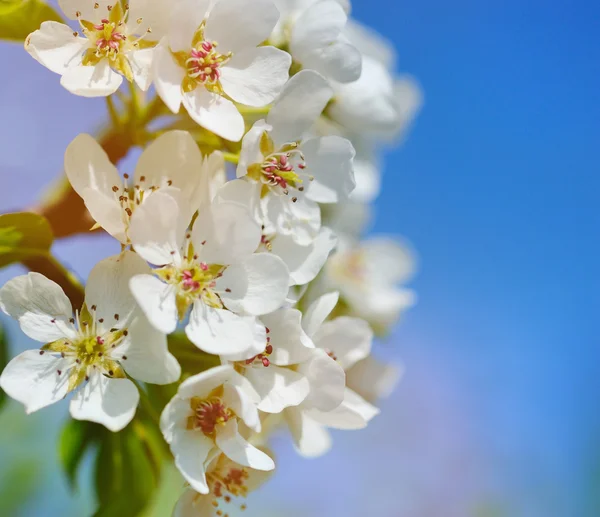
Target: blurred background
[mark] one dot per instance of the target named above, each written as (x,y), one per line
(496,186)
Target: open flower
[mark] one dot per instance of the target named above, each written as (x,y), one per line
(203,419)
(291,175)
(89,353)
(211,269)
(211,58)
(312,30)
(368,276)
(172,164)
(273,372)
(116,43)
(229,484)
(346,341)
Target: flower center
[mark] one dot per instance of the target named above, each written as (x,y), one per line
(227,482)
(208,414)
(90,349)
(202,63)
(108,39)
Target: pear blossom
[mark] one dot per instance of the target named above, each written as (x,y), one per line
(203,419)
(273,372)
(91,353)
(116,42)
(345,341)
(171,164)
(211,59)
(229,484)
(291,175)
(304,261)
(211,269)
(368,276)
(373,379)
(312,31)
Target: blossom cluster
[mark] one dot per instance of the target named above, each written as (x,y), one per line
(252,246)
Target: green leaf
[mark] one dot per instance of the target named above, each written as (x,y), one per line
(19,18)
(77,437)
(23,235)
(191,359)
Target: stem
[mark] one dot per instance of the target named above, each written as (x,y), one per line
(231,157)
(248,110)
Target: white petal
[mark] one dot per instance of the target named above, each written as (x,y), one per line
(301,220)
(88,10)
(193,504)
(157,301)
(107,289)
(202,384)
(304,262)
(389,260)
(92,81)
(250,152)
(368,180)
(372,379)
(258,345)
(340,61)
(32,379)
(141,65)
(311,438)
(256,76)
(157,228)
(106,401)
(329,160)
(371,43)
(168,76)
(239,397)
(146,356)
(300,104)
(107,212)
(327,382)
(258,285)
(215,113)
(225,233)
(353,413)
(191,448)
(239,450)
(186,18)
(290,343)
(39,305)
(218,331)
(278,388)
(318,311)
(349,339)
(236,27)
(56,47)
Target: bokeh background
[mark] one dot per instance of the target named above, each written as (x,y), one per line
(497,188)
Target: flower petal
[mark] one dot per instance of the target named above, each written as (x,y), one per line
(201,384)
(146,356)
(349,339)
(250,152)
(106,401)
(373,379)
(299,106)
(327,382)
(239,450)
(235,27)
(92,81)
(225,233)
(193,504)
(389,261)
(168,76)
(107,212)
(157,228)
(107,293)
(353,413)
(242,398)
(318,311)
(32,379)
(191,449)
(329,160)
(310,438)
(90,11)
(278,388)
(256,76)
(141,65)
(257,286)
(39,305)
(186,17)
(304,262)
(290,343)
(215,113)
(218,331)
(55,46)
(157,301)
(300,220)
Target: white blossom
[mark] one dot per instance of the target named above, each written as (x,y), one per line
(117,42)
(91,353)
(211,57)
(171,164)
(203,418)
(211,269)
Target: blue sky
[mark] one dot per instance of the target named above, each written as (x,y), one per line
(496,187)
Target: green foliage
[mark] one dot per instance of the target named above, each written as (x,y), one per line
(190,357)
(23,235)
(19,18)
